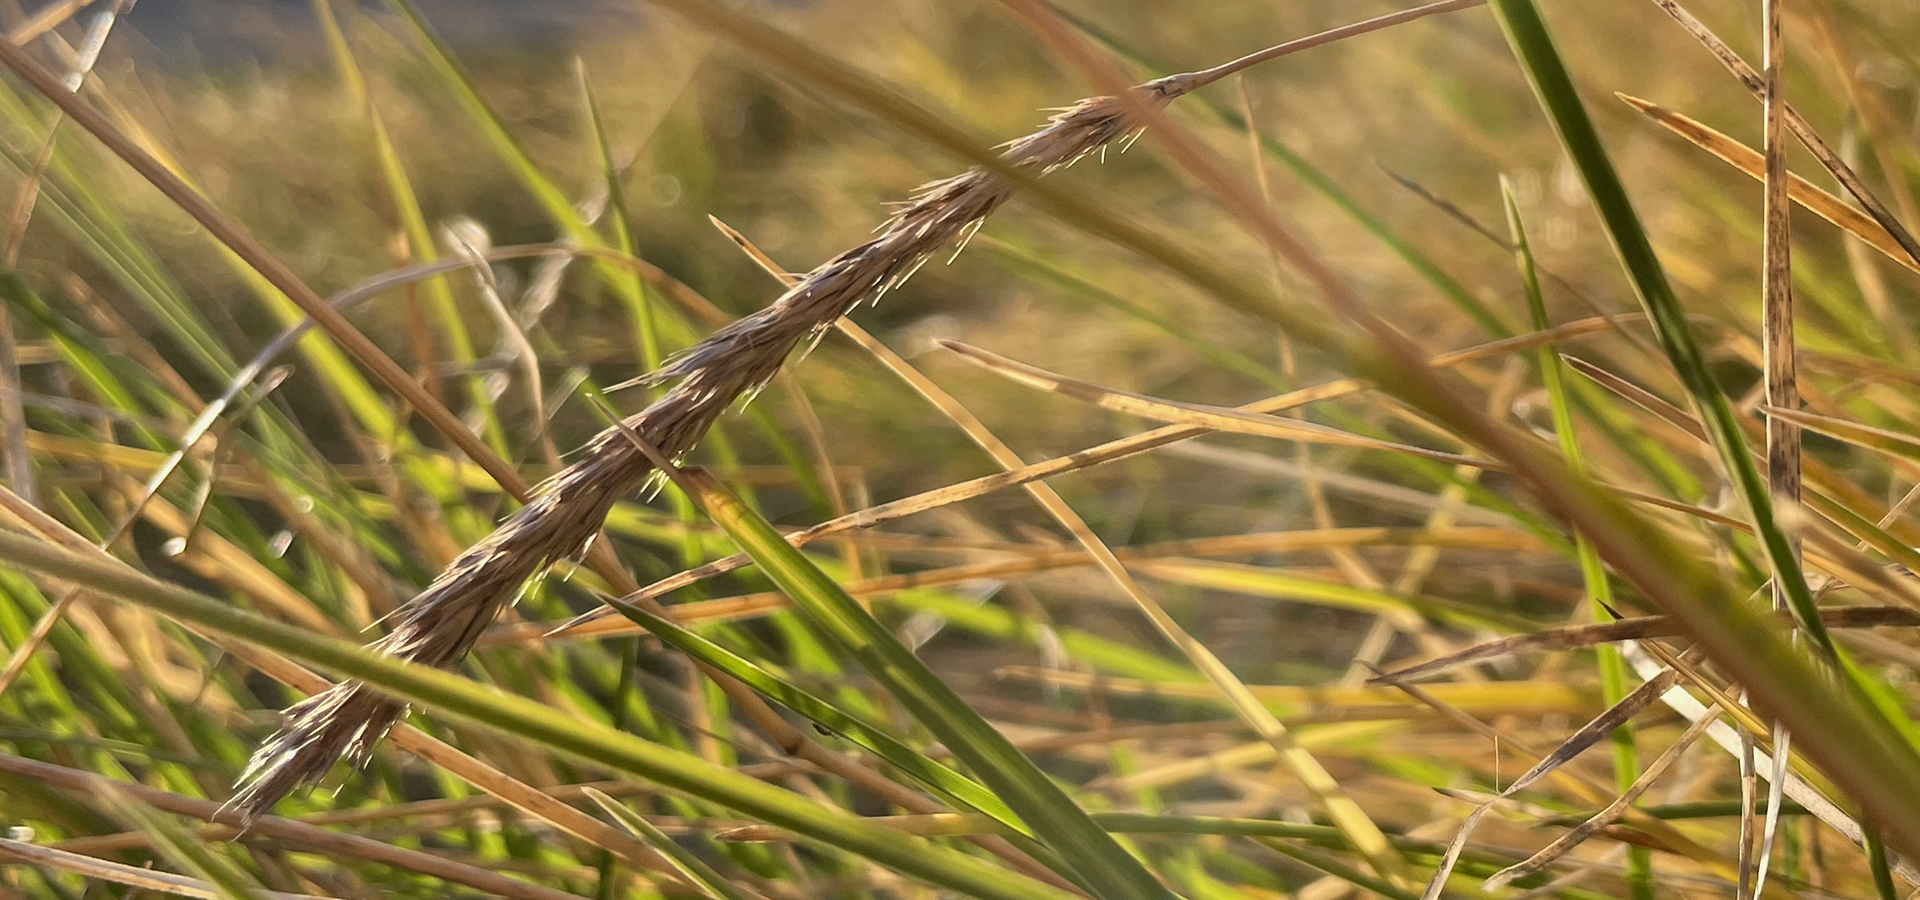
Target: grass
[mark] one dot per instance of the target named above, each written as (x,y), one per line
(270,409)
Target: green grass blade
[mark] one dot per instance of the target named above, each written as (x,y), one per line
(406,207)
(523,719)
(185,850)
(552,200)
(692,867)
(1102,864)
(1527,34)
(956,786)
(1593,574)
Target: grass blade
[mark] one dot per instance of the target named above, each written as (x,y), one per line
(1593,573)
(1102,864)
(694,869)
(526,720)
(1527,33)
(883,745)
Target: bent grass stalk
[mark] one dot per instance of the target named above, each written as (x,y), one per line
(440,625)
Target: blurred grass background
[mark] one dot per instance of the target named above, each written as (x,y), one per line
(127,318)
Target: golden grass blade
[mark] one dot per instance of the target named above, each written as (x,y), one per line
(1817,501)
(45,19)
(514,793)
(1212,418)
(1635,629)
(509,715)
(266,264)
(1668,837)
(143,879)
(1754,163)
(1488,698)
(798,744)
(1735,638)
(1798,126)
(1101,864)
(1868,436)
(1346,814)
(1592,732)
(294,833)
(439,626)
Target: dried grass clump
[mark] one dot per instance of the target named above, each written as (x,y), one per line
(440,626)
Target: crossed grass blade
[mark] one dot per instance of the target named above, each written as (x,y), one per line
(293,833)
(1753,163)
(184,849)
(523,719)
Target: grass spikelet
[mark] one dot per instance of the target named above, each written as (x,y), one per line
(440,625)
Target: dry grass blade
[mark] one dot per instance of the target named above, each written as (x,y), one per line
(268,266)
(1098,455)
(1639,396)
(1213,418)
(1664,834)
(1036,561)
(1871,436)
(1802,191)
(1781,386)
(1205,77)
(1636,629)
(140,879)
(1574,838)
(1796,788)
(1828,507)
(1217,418)
(1492,698)
(1658,567)
(1592,732)
(46,19)
(796,743)
(1601,727)
(1798,126)
(294,833)
(1438,883)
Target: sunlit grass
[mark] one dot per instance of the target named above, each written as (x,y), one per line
(1150,673)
